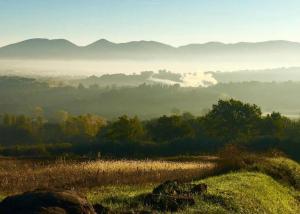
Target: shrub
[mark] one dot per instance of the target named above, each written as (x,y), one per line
(234,158)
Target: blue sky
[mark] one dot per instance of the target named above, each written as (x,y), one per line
(175,22)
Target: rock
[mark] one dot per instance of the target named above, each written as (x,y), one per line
(172,195)
(199,189)
(99,209)
(172,188)
(46,202)
(52,210)
(167,202)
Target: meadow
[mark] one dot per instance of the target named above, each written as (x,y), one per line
(267,185)
(251,184)
(24,175)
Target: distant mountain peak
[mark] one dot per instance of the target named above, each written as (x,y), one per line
(42,41)
(101,42)
(147,44)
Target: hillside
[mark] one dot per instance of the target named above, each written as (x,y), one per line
(262,187)
(238,192)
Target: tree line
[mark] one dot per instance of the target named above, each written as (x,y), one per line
(227,122)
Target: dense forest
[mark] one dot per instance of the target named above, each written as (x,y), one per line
(228,122)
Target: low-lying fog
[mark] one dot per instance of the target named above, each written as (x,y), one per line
(193,72)
(97,68)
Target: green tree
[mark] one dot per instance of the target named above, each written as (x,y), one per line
(87,124)
(124,129)
(274,124)
(169,128)
(231,120)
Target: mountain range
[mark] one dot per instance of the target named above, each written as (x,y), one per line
(148,50)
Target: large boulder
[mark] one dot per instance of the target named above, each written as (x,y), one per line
(46,202)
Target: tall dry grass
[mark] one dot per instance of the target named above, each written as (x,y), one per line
(18,176)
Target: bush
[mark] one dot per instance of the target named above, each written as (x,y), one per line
(38,150)
(234,158)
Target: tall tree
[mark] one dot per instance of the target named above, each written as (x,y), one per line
(232,120)
(124,129)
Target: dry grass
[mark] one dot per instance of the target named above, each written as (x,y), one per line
(19,175)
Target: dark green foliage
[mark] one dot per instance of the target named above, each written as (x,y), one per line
(273,124)
(124,129)
(170,128)
(232,119)
(229,122)
(37,150)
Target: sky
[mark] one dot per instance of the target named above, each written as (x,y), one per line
(175,22)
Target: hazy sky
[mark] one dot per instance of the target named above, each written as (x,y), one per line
(174,22)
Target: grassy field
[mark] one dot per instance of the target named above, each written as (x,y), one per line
(242,192)
(270,185)
(21,175)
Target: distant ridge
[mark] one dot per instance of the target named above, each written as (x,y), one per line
(103,49)
(100,42)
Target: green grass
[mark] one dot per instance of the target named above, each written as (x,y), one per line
(121,197)
(247,192)
(284,170)
(241,192)
(269,185)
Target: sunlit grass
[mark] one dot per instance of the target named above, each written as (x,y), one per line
(242,192)
(120,197)
(237,192)
(247,192)
(18,176)
(120,184)
(284,170)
